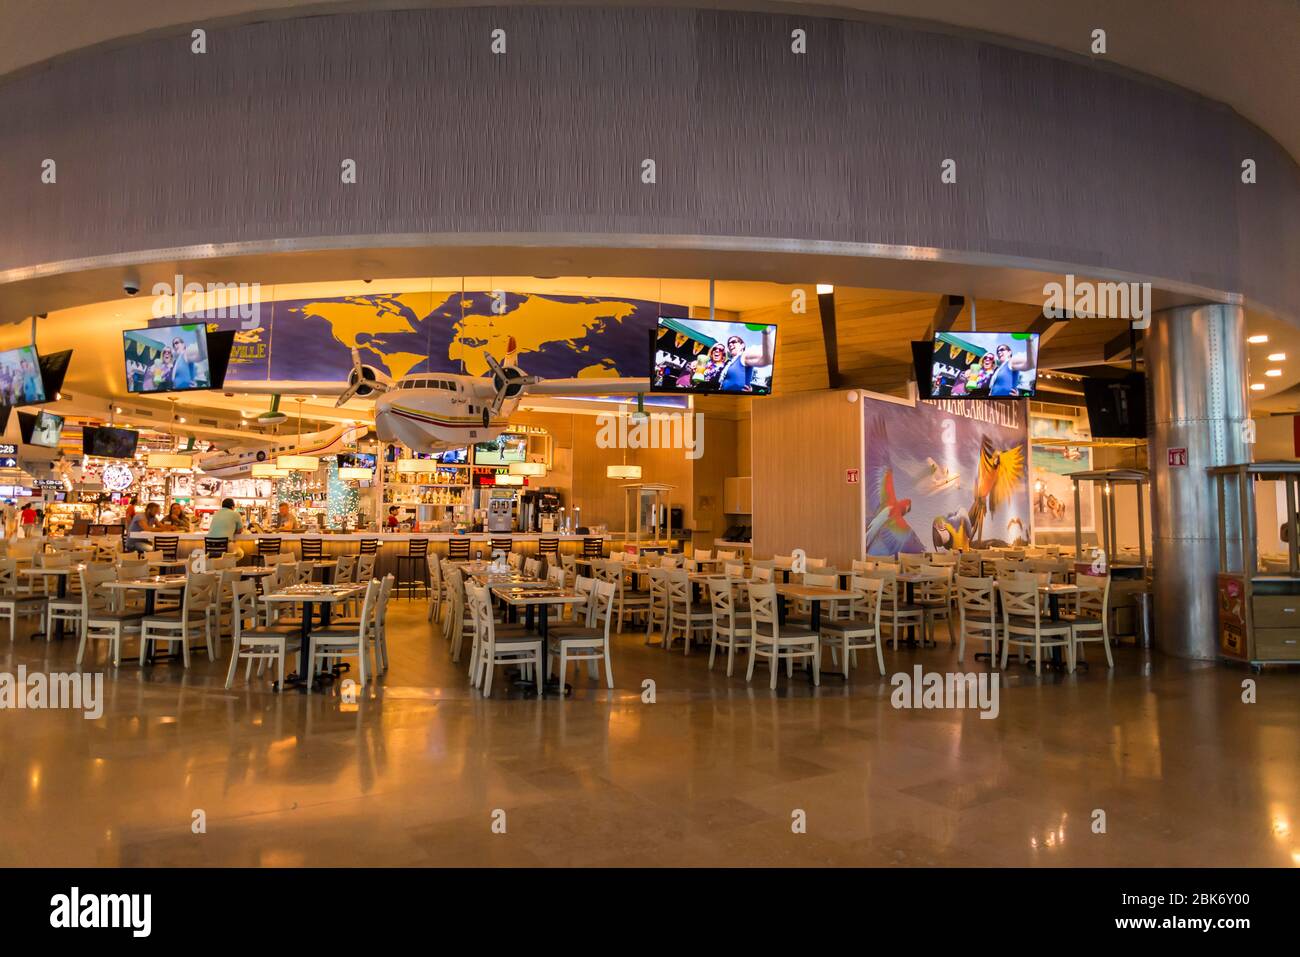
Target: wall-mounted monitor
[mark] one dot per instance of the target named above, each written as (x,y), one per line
(1117,408)
(109,443)
(167,358)
(20,377)
(703,356)
(42,428)
(453,456)
(502,450)
(983,365)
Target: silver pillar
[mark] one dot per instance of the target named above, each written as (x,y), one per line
(1196,371)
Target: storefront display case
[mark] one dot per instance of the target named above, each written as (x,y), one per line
(1259,600)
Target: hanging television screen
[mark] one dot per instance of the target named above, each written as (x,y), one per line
(108,443)
(453,456)
(1117,408)
(984,365)
(702,356)
(502,450)
(356,460)
(43,428)
(167,358)
(20,377)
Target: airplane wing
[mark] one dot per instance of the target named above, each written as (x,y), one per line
(592,386)
(261,387)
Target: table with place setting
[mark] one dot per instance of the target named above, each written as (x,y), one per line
(535,594)
(310,594)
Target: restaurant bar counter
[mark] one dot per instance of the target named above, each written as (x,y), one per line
(392,545)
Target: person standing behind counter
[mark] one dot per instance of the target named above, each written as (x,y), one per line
(285,520)
(226,523)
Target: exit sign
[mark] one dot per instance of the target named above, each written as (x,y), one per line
(851,476)
(1178,458)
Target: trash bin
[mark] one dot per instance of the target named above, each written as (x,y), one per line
(1145,623)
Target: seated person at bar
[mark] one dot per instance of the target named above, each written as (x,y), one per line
(285,520)
(176,520)
(226,523)
(146,521)
(392,521)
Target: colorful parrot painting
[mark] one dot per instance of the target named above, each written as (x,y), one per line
(995,484)
(951,531)
(887,530)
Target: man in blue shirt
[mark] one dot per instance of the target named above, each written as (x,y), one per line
(146,521)
(738,374)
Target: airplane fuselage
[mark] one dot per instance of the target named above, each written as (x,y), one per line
(430,412)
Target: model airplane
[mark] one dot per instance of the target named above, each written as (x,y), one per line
(239,462)
(428,411)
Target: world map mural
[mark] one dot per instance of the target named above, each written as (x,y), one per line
(406,332)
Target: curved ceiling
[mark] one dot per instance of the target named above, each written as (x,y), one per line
(1241,54)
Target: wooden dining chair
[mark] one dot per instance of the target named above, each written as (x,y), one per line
(588,641)
(777,642)
(977,614)
(732,628)
(1090,620)
(860,629)
(495,647)
(1023,624)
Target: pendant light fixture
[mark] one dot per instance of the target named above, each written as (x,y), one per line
(298,463)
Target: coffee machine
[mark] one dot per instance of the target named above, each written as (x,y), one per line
(539,510)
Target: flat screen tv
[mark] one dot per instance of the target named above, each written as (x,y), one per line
(502,450)
(703,356)
(42,428)
(984,365)
(20,377)
(167,358)
(922,358)
(1117,408)
(54,369)
(357,460)
(453,456)
(108,443)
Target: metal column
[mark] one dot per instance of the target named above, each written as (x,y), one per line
(1196,368)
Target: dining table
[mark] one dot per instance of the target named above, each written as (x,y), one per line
(61,575)
(152,586)
(814,595)
(310,594)
(1054,592)
(536,595)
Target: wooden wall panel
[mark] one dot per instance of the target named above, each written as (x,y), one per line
(802,445)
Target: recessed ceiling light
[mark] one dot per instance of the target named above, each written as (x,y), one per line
(1277,357)
(182,418)
(1273,373)
(1256,340)
(1257,387)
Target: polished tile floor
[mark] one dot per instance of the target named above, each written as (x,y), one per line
(714,772)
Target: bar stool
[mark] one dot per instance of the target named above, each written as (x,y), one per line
(593,548)
(313,549)
(370,546)
(266,546)
(168,545)
(417,554)
(458,549)
(502,545)
(215,547)
(548,549)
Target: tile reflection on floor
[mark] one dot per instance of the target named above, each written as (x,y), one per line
(423,771)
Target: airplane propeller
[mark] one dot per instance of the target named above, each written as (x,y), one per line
(363,381)
(508,381)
